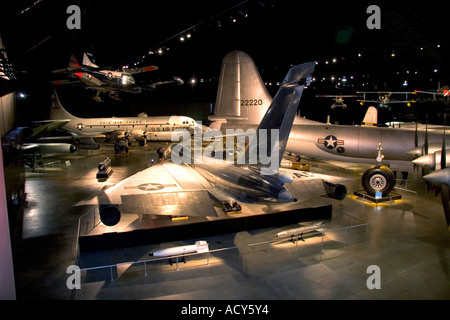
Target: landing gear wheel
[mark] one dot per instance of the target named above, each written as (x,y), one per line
(378,179)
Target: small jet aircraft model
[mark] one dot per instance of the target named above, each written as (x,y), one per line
(214,179)
(199,247)
(297,233)
(338,100)
(141,129)
(108,80)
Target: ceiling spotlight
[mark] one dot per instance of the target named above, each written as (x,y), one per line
(188,36)
(181,38)
(160,51)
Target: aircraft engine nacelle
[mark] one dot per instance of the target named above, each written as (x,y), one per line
(378,178)
(57,148)
(109,215)
(137,134)
(117,135)
(335,191)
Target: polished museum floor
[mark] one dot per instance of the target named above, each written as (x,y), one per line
(406,239)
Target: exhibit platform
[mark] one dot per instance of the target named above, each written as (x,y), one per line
(391,197)
(152,229)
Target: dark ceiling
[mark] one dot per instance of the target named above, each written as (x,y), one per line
(412,44)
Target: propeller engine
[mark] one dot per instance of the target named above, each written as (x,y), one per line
(440,179)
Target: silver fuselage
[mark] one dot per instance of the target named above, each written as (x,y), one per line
(353,144)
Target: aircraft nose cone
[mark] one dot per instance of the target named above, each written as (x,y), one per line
(416,152)
(427,160)
(286,196)
(438,177)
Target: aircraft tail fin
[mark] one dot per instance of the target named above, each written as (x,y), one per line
(57,111)
(73,63)
(371,117)
(88,60)
(274,129)
(241,94)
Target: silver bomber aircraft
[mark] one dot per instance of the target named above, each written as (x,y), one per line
(242,100)
(212,179)
(141,129)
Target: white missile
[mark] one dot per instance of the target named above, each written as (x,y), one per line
(300,231)
(199,247)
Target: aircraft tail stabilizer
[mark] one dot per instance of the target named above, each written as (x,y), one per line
(87,61)
(279,118)
(241,94)
(57,111)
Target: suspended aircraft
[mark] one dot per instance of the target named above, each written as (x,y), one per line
(190,175)
(384,98)
(140,129)
(107,79)
(242,99)
(442,92)
(338,100)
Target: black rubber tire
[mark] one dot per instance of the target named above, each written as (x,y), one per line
(378,179)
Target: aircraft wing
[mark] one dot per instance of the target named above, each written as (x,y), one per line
(164,189)
(69,70)
(308,186)
(152,86)
(140,70)
(47,126)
